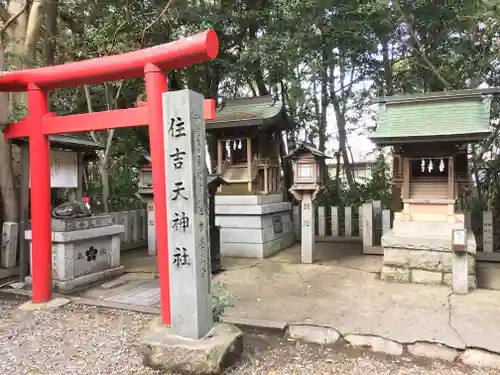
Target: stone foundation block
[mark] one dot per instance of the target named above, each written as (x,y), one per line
(448,280)
(427,260)
(396,257)
(475,357)
(377,344)
(434,351)
(165,351)
(471,265)
(426,277)
(397,274)
(313,334)
(53,304)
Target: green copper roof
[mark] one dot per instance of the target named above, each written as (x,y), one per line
(246,112)
(460,116)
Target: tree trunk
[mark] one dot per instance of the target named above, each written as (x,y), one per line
(341,126)
(339,111)
(10,202)
(21,26)
(104,155)
(322,131)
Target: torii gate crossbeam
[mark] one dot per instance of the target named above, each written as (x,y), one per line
(151,63)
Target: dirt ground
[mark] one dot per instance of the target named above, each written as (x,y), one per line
(77,339)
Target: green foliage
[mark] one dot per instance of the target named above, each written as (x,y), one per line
(220,301)
(375,187)
(291,49)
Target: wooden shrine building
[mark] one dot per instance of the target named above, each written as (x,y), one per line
(430,135)
(254,220)
(248,147)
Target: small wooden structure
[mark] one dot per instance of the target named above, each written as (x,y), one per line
(248,147)
(78,147)
(430,134)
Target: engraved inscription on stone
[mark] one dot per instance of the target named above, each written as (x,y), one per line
(277,224)
(186,184)
(92,256)
(487,232)
(335,221)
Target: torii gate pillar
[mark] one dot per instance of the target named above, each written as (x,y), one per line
(150,63)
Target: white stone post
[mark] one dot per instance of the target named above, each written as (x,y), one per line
(460,273)
(335,221)
(386,221)
(8,252)
(367,212)
(360,221)
(296,222)
(487,231)
(377,221)
(321,221)
(348,221)
(143,224)
(307,243)
(186,185)
(151,229)
(134,226)
(123,219)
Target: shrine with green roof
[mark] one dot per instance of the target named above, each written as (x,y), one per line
(430,134)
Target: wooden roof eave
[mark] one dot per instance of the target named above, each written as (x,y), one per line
(438,95)
(65,143)
(459,138)
(261,123)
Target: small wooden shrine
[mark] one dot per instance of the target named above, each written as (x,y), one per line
(254,220)
(430,134)
(248,147)
(68,155)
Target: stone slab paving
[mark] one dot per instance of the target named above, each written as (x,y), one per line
(476,317)
(341,294)
(357,302)
(134,289)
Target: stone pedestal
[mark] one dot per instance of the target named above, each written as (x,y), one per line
(84,250)
(253,226)
(162,349)
(420,251)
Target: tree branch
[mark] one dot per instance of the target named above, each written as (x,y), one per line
(420,48)
(162,13)
(35,20)
(4,14)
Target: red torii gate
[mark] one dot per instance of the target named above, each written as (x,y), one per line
(39,123)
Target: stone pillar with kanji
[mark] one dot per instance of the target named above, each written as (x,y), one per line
(193,343)
(186,183)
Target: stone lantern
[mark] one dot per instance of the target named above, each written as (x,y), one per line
(307,183)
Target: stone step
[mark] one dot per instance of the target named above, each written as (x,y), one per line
(425,228)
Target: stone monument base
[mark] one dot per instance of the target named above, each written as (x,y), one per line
(81,257)
(165,351)
(253,226)
(419,252)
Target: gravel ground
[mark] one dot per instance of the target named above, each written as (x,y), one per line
(89,341)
